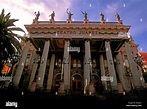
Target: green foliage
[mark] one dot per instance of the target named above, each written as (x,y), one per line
(9,41)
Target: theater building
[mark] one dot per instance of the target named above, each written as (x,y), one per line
(84,57)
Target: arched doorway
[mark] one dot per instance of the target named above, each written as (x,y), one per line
(76,84)
(97,83)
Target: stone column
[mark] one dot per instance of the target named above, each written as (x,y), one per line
(133,67)
(69,68)
(41,72)
(88,86)
(21,64)
(66,66)
(34,69)
(121,74)
(50,75)
(111,68)
(87,63)
(102,68)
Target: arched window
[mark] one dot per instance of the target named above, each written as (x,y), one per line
(79,63)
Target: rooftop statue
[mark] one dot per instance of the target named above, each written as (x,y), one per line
(85,15)
(37,15)
(102,16)
(52,15)
(69,14)
(117,16)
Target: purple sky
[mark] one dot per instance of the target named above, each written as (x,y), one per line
(132,12)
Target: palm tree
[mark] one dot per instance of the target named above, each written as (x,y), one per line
(9,41)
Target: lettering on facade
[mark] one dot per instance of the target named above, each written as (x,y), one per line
(72,49)
(77,32)
(66,32)
(69,32)
(107,78)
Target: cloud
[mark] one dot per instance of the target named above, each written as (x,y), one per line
(110,10)
(24,9)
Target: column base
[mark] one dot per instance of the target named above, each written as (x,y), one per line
(91,89)
(68,21)
(51,21)
(33,87)
(61,88)
(35,21)
(120,88)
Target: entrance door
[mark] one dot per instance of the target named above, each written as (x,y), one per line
(76,84)
(97,84)
(57,83)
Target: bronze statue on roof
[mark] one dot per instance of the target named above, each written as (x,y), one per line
(85,15)
(37,15)
(102,16)
(69,14)
(52,15)
(117,16)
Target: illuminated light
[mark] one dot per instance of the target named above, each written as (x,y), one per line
(124,5)
(86,81)
(128,35)
(6,69)
(140,19)
(22,64)
(56,34)
(22,93)
(90,34)
(89,93)
(106,49)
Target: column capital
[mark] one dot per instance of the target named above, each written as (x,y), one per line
(87,39)
(107,39)
(47,39)
(26,39)
(67,39)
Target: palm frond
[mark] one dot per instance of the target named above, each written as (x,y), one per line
(16,29)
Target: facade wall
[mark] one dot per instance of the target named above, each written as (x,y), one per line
(81,64)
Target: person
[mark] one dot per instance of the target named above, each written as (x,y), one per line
(52,15)
(37,15)
(117,16)
(102,16)
(69,14)
(85,15)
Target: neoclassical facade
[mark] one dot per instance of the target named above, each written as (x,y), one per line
(84,57)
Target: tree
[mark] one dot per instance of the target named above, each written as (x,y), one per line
(9,41)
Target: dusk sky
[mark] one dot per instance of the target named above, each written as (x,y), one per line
(132,12)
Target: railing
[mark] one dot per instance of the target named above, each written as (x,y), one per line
(78,22)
